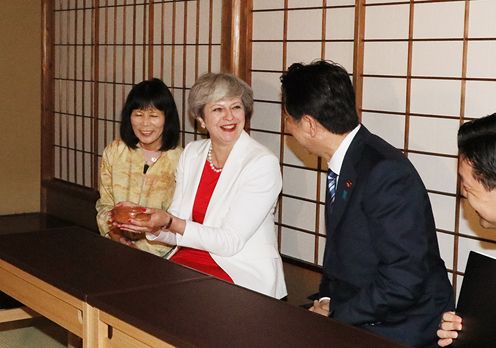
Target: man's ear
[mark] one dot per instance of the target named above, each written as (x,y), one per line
(309,125)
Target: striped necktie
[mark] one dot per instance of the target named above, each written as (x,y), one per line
(331,185)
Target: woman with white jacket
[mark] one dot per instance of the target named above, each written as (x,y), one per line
(222,214)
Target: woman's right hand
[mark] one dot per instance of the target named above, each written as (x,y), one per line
(448,328)
(158,218)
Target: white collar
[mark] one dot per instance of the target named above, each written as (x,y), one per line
(336,161)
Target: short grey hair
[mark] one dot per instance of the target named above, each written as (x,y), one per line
(213,87)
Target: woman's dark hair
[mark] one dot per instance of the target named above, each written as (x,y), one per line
(151,94)
(323,90)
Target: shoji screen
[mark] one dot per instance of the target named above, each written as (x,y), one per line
(477,100)
(102,48)
(73,95)
(428,67)
(285,32)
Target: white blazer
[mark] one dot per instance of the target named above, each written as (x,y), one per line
(238,230)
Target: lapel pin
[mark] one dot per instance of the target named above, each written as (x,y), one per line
(348,184)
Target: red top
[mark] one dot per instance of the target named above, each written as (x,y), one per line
(201,259)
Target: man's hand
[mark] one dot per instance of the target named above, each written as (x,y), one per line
(321,307)
(448,328)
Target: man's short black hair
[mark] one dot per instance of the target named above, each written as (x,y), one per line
(477,145)
(323,90)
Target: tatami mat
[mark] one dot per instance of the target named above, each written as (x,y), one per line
(32,333)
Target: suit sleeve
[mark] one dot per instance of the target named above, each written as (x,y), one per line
(257,188)
(399,216)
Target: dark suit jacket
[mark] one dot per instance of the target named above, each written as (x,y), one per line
(382,268)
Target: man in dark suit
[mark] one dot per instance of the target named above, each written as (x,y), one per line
(477,170)
(382,270)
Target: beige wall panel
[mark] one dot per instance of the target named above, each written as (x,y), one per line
(266,86)
(298,213)
(190,65)
(320,258)
(323,180)
(483,24)
(340,23)
(429,59)
(296,155)
(204,29)
(305,25)
(389,127)
(215,58)
(87,133)
(167,74)
(267,56)
(297,244)
(438,173)
(434,135)
(20,115)
(303,3)
(435,97)
(191,27)
(179,23)
(300,183)
(385,58)
(386,94)
(266,116)
(271,141)
(87,56)
(371,2)
(322,229)
(216,19)
(481,59)
(395,16)
(446,243)
(303,52)
(444,208)
(340,52)
(428,17)
(480,100)
(268,25)
(267,4)
(158,61)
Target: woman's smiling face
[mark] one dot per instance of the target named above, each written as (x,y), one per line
(224,120)
(148,126)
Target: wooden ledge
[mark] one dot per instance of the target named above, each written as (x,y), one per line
(14,314)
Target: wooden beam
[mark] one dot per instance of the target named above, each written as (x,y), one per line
(358,54)
(236,38)
(14,314)
(47,98)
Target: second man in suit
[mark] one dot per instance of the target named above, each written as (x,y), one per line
(382,270)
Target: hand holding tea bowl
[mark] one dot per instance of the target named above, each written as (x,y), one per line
(156,220)
(123,213)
